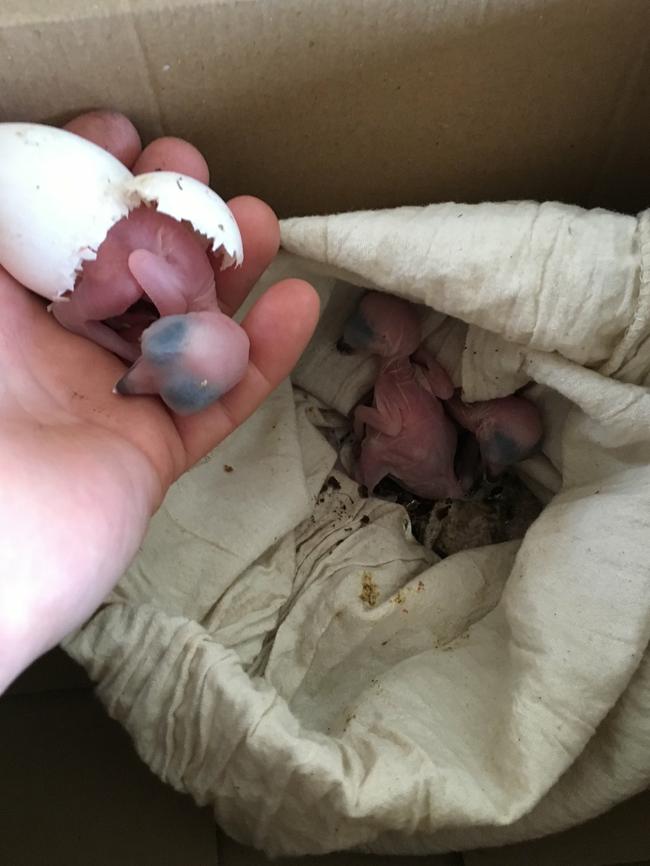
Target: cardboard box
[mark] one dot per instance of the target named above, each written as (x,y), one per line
(316,107)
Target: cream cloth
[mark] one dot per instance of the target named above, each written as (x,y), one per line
(295,659)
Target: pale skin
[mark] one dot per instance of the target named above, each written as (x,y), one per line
(405,433)
(160,265)
(83,469)
(507,429)
(408,433)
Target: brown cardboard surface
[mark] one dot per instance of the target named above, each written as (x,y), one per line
(620,835)
(317,106)
(232,854)
(75,793)
(324,106)
(53,671)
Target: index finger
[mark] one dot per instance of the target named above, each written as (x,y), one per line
(110,130)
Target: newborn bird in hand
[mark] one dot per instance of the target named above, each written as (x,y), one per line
(152,281)
(407,433)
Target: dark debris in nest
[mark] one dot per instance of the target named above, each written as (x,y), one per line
(494,513)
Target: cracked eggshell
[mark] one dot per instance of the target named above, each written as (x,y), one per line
(60,195)
(58,199)
(185,198)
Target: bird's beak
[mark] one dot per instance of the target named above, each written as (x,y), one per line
(139,379)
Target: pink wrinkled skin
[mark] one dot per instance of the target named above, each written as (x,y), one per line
(508,429)
(407,434)
(149,267)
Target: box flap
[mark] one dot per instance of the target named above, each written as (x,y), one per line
(327,107)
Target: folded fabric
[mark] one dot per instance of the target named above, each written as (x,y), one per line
(285,651)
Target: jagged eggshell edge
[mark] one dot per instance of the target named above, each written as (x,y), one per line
(60,195)
(185,198)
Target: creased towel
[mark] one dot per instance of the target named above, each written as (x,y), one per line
(285,651)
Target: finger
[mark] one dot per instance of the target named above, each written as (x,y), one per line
(279,327)
(173,154)
(110,130)
(260,233)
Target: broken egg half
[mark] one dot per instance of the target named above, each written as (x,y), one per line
(61,194)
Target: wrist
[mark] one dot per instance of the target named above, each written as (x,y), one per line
(68,531)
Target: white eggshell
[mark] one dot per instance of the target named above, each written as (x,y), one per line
(185,198)
(60,195)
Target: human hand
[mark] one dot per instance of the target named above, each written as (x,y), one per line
(83,469)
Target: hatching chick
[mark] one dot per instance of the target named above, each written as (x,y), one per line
(508,429)
(150,297)
(405,433)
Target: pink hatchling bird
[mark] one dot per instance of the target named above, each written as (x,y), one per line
(407,433)
(508,429)
(152,280)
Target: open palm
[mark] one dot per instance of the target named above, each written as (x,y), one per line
(82,470)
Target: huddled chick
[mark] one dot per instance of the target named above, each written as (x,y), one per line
(411,430)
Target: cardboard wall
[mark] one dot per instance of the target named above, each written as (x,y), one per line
(327,105)
(316,106)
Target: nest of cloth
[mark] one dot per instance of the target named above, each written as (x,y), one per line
(286,649)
